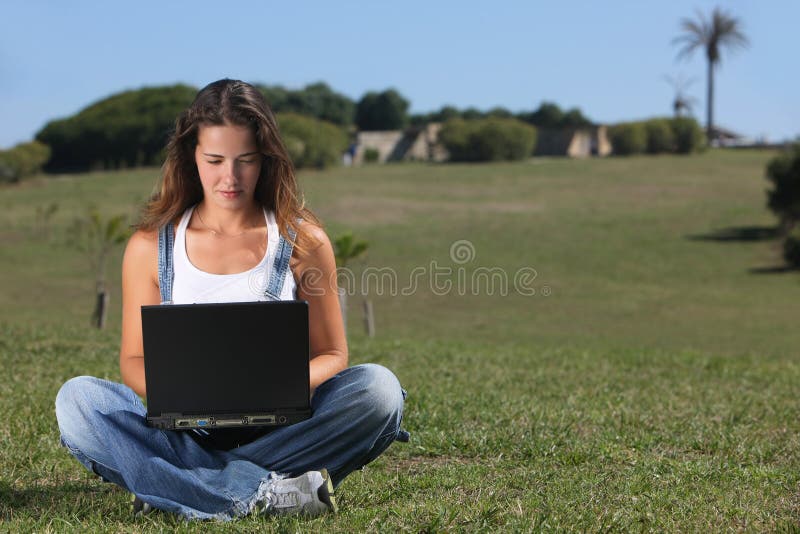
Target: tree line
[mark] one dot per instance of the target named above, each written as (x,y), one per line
(130,128)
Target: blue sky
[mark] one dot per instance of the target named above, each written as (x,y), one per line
(607,58)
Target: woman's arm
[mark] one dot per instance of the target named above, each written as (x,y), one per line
(316,274)
(139,288)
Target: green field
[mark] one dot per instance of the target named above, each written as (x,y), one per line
(648,383)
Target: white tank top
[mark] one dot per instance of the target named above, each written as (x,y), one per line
(191,285)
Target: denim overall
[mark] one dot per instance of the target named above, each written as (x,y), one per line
(356,416)
(273,286)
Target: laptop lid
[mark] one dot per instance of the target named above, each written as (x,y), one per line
(226,360)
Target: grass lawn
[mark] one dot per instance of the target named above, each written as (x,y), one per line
(649,382)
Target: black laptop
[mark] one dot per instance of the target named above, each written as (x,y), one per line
(227,365)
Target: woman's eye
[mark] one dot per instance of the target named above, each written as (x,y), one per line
(215,162)
(247,160)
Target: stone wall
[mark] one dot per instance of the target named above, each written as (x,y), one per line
(384,142)
(573,142)
(425,145)
(413,144)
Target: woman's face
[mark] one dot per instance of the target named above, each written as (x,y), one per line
(229,163)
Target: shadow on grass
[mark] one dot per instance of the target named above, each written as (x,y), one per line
(738,233)
(745,234)
(777,269)
(51,499)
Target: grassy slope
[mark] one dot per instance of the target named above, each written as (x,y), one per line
(655,388)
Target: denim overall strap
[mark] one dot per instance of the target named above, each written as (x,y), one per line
(166,241)
(280,266)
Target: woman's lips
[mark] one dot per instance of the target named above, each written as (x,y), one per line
(230,194)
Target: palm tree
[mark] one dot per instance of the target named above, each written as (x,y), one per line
(346,248)
(720,31)
(97,236)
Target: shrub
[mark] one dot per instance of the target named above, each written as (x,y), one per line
(7,172)
(454,135)
(371,155)
(628,138)
(491,139)
(312,142)
(660,137)
(681,134)
(689,136)
(25,159)
(783,199)
(9,167)
(126,129)
(34,155)
(791,248)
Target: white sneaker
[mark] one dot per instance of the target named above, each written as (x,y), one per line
(309,494)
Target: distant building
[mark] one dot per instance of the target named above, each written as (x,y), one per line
(722,137)
(418,143)
(573,142)
(424,144)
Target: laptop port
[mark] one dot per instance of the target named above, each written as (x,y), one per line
(181,422)
(263,420)
(227,422)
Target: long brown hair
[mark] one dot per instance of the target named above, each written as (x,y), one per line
(237,103)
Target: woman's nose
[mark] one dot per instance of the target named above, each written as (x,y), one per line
(231,172)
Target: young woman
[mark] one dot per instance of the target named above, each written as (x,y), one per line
(230,201)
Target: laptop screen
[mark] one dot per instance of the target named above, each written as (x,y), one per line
(226,358)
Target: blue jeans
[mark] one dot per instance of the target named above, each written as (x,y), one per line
(356,416)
